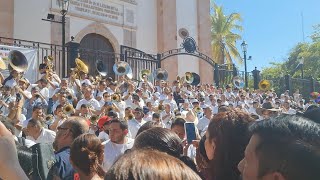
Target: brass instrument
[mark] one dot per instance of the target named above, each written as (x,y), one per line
(160,74)
(101,68)
(18,61)
(3,66)
(130,116)
(68,109)
(264,85)
(160,107)
(80,67)
(196,79)
(122,68)
(49,117)
(49,66)
(145,73)
(116,98)
(188,77)
(93,119)
(238,82)
(197,110)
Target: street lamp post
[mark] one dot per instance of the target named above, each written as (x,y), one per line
(244,46)
(64,5)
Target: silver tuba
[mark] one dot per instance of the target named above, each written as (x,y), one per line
(238,82)
(145,73)
(18,61)
(101,68)
(122,68)
(160,74)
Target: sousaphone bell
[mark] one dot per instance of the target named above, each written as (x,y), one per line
(145,73)
(18,61)
(196,79)
(160,74)
(238,82)
(264,85)
(81,66)
(101,68)
(122,68)
(188,77)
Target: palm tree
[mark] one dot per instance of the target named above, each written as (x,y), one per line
(223,39)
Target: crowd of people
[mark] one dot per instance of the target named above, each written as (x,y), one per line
(105,128)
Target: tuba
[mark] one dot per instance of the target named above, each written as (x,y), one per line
(101,68)
(238,82)
(196,79)
(81,67)
(18,61)
(122,68)
(160,74)
(145,73)
(264,85)
(188,77)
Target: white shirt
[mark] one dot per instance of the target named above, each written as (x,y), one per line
(134,126)
(51,89)
(28,142)
(103,136)
(112,151)
(46,136)
(167,121)
(11,83)
(203,122)
(45,93)
(95,104)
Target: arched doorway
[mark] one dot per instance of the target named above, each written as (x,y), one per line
(95,47)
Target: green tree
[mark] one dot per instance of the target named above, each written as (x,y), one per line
(223,38)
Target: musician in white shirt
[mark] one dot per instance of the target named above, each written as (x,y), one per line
(38,134)
(118,143)
(88,99)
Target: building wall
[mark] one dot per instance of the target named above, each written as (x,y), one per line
(167,35)
(157,23)
(27,20)
(186,18)
(204,39)
(147,26)
(6,18)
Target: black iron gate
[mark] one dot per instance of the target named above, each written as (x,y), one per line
(137,59)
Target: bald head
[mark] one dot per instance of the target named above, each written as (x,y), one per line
(78,125)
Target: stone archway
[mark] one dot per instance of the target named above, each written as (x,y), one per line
(98,28)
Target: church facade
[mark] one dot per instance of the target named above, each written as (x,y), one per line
(152,26)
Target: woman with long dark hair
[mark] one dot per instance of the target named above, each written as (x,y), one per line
(226,140)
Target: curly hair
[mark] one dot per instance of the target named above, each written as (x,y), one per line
(86,153)
(229,131)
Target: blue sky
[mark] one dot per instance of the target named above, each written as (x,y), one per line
(272,27)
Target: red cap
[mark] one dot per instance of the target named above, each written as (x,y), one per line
(103,120)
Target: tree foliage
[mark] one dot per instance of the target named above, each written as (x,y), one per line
(309,51)
(223,38)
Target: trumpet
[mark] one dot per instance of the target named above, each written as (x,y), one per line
(116,98)
(197,110)
(94,118)
(129,117)
(68,109)
(49,117)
